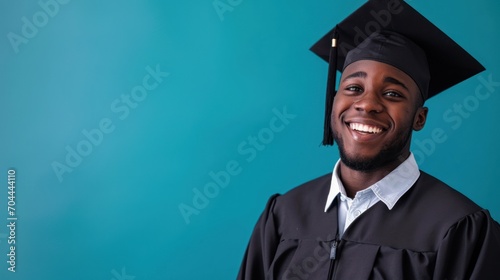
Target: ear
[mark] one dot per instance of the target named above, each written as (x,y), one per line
(420,118)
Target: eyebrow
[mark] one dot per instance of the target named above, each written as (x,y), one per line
(359,74)
(395,81)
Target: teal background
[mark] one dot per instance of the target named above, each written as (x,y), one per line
(116,215)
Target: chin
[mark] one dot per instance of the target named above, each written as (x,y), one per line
(372,162)
(363,164)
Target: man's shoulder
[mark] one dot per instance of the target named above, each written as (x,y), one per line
(316,187)
(435,195)
(309,195)
(298,212)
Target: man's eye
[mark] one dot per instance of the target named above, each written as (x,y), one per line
(393,94)
(354,88)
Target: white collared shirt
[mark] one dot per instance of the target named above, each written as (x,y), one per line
(388,190)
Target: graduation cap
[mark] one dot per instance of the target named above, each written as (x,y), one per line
(392,32)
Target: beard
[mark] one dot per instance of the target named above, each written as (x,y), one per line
(388,154)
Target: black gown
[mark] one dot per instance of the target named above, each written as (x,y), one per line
(433,232)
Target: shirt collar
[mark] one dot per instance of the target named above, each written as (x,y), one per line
(388,189)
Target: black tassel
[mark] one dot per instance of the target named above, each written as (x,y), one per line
(330,90)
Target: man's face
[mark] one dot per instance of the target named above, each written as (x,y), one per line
(373,114)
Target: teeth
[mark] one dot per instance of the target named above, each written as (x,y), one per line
(365,128)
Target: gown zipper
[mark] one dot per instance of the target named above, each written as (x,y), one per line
(333,256)
(334,249)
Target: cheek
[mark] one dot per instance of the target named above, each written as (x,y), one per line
(339,105)
(404,119)
(336,113)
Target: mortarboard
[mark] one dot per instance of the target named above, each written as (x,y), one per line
(392,32)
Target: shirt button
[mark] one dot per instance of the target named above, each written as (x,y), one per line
(357,213)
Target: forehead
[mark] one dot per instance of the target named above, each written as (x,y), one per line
(375,69)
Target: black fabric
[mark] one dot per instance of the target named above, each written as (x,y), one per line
(433,232)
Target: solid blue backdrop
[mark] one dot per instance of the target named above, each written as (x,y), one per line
(147,136)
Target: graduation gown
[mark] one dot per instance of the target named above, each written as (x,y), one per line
(433,232)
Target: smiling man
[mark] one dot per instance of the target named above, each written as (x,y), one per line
(377,216)
(375,110)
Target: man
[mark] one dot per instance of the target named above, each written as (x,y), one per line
(377,216)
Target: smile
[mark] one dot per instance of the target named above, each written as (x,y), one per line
(364,128)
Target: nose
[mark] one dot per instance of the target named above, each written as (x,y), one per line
(369,102)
